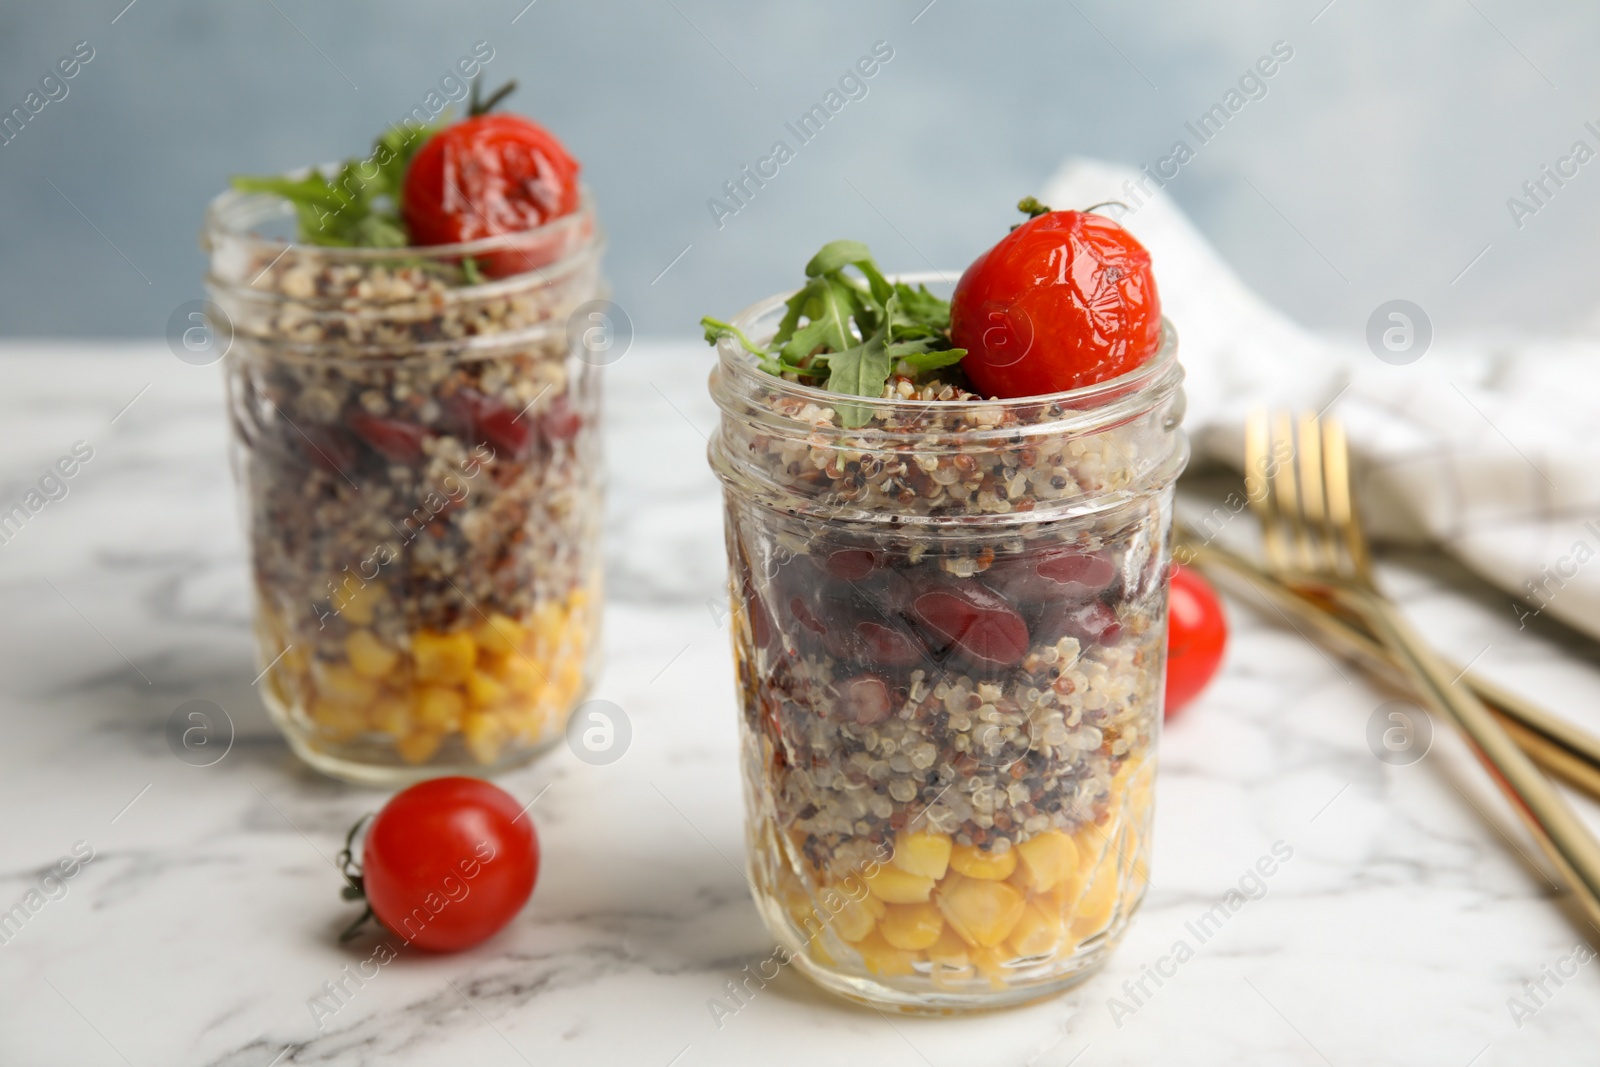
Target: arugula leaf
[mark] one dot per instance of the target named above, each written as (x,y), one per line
(835,256)
(923,308)
(922,359)
(861,370)
(806,341)
(716,330)
(855,330)
(837,306)
(360,205)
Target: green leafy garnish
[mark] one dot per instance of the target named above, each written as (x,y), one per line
(360,205)
(853,330)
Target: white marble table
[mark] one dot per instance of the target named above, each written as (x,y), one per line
(1396,934)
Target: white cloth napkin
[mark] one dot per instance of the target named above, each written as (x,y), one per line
(1491,453)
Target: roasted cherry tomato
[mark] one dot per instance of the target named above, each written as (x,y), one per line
(488,175)
(1065,300)
(1197,634)
(448,862)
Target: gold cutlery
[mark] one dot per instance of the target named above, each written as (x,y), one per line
(1299,477)
(1560,747)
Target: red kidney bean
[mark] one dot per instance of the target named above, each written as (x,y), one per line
(885,645)
(973,621)
(849,564)
(1058,572)
(328,448)
(1093,623)
(397,440)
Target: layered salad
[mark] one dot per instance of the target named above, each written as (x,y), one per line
(417,442)
(947,526)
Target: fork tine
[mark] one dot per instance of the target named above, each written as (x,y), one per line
(1341,504)
(1258,487)
(1284,481)
(1322,548)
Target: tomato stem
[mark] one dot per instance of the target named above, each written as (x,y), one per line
(482,107)
(354,888)
(351,931)
(1093,208)
(1032,208)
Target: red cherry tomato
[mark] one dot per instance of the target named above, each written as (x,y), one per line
(1065,300)
(489,175)
(448,862)
(1197,634)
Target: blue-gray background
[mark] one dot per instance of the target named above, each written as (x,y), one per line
(1378,165)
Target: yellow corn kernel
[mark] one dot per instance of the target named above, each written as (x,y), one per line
(974,862)
(340,683)
(337,720)
(795,900)
(1094,842)
(1135,771)
(499,635)
(856,919)
(893,886)
(446,658)
(982,911)
(1021,879)
(923,853)
(911,926)
(550,621)
(950,950)
(484,735)
(368,656)
(1094,908)
(991,963)
(568,682)
(1038,931)
(1134,786)
(417,747)
(882,958)
(1047,860)
(439,709)
(357,605)
(520,675)
(390,714)
(486,691)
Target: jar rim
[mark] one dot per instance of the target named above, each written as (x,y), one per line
(233,214)
(764,415)
(1095,406)
(571,244)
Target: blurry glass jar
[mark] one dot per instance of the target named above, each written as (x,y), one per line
(950,631)
(418,452)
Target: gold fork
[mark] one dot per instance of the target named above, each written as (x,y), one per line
(1559,746)
(1298,474)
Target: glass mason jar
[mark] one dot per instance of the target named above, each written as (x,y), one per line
(950,634)
(418,451)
